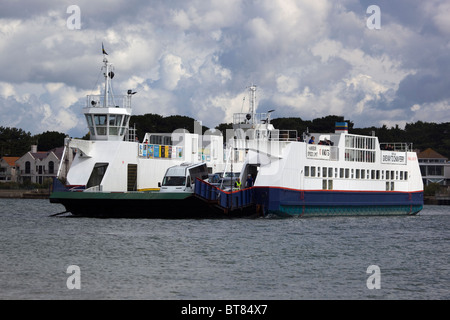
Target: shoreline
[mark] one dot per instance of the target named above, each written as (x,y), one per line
(45,194)
(24,194)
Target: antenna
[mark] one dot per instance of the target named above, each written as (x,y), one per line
(252,111)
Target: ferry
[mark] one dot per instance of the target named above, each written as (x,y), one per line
(280,172)
(114,174)
(336,174)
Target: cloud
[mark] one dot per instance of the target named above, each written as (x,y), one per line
(308,58)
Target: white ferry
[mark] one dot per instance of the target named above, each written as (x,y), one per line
(113,175)
(338,174)
(112,172)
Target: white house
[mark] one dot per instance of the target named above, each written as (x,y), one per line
(434,167)
(8,169)
(37,166)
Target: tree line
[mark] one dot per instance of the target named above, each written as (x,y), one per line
(16,142)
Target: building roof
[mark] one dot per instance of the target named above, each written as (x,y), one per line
(44,154)
(39,155)
(430,154)
(11,161)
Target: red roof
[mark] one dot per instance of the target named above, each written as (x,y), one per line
(430,154)
(11,161)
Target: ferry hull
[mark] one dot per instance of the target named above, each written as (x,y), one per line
(154,205)
(287,202)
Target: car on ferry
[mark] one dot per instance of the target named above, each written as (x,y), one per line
(182,178)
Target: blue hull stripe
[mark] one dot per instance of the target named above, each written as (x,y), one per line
(319,203)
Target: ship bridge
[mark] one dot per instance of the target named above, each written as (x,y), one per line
(108,115)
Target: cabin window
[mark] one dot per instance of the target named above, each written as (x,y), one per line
(347,173)
(387,185)
(313,171)
(406,175)
(327,184)
(392,175)
(97,174)
(324,172)
(357,174)
(100,122)
(392,186)
(360,148)
(372,175)
(306,171)
(378,174)
(341,173)
(330,172)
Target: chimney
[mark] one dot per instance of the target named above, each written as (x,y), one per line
(341,127)
(33,148)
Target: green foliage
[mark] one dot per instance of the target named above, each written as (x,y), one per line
(50,140)
(431,189)
(223,127)
(423,135)
(152,123)
(14,142)
(324,124)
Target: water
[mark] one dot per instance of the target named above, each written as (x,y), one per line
(268,259)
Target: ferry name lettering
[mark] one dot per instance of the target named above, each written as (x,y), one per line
(393,158)
(324,152)
(312,152)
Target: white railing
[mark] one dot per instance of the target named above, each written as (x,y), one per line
(98,101)
(244,118)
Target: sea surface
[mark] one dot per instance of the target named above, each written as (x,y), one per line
(242,259)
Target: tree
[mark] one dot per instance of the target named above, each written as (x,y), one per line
(14,142)
(49,140)
(154,123)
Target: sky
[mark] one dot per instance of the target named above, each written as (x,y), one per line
(388,65)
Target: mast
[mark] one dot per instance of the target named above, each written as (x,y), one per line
(252,89)
(108,119)
(106,68)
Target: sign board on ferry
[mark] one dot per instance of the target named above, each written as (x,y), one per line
(393,157)
(318,152)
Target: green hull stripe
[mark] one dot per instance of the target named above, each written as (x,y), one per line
(321,211)
(121,195)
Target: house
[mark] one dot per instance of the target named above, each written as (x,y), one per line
(434,167)
(8,169)
(39,166)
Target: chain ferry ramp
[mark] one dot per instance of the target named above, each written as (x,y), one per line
(238,203)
